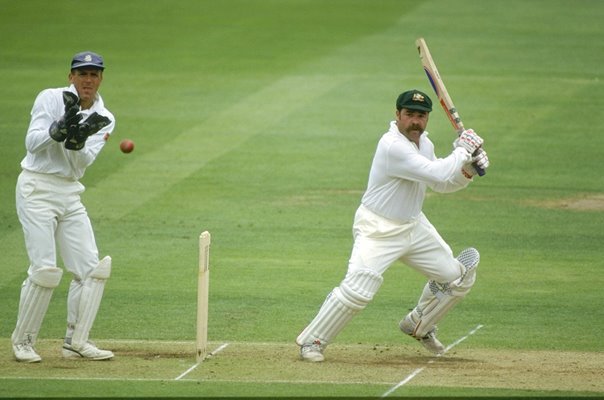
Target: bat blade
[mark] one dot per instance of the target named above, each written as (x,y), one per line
(441,91)
(438,85)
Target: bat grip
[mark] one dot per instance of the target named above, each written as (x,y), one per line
(480,171)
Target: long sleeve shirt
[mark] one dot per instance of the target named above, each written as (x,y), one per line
(47,156)
(401,171)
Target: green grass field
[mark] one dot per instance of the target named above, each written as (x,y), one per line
(257,120)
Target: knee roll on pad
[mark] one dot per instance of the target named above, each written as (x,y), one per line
(47,277)
(358,288)
(103,270)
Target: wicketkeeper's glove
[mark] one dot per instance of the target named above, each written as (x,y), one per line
(76,139)
(70,119)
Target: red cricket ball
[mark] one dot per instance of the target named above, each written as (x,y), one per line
(126,146)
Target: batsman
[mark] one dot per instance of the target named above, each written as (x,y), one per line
(389,226)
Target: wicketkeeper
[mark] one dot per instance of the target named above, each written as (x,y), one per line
(389,225)
(69,127)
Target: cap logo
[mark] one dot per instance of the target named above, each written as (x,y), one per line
(88,58)
(418,97)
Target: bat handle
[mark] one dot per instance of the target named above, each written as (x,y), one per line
(480,171)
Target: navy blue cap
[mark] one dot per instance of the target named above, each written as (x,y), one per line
(87,59)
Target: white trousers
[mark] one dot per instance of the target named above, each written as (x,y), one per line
(52,215)
(379,242)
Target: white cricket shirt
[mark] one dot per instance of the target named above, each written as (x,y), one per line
(401,172)
(47,156)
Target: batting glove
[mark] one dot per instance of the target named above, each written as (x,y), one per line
(480,161)
(469,140)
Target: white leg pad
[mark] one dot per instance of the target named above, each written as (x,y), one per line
(92,293)
(431,308)
(344,302)
(36,293)
(438,299)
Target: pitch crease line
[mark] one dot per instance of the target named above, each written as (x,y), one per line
(419,370)
(211,354)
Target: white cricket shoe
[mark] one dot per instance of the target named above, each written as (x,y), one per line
(88,351)
(24,352)
(312,352)
(430,342)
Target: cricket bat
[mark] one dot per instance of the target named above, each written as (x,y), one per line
(441,90)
